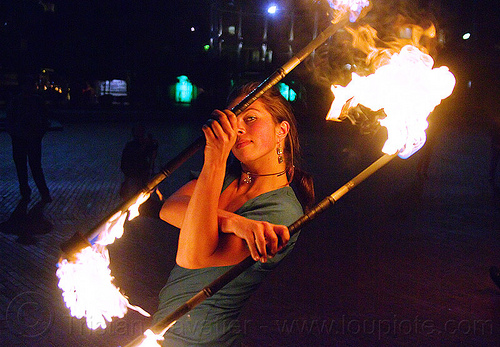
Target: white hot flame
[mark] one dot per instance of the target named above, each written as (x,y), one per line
(353,7)
(151,340)
(86,282)
(88,290)
(408,88)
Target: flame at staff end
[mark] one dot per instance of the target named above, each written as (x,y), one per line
(405,86)
(86,281)
(151,339)
(353,7)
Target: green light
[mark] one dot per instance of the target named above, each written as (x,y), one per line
(287,92)
(183,90)
(206,47)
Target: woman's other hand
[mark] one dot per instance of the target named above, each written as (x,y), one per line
(263,239)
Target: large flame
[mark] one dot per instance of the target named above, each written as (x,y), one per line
(86,281)
(404,85)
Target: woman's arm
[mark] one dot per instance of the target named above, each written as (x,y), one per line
(174,207)
(262,239)
(199,233)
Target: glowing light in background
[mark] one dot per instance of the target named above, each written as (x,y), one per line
(183,90)
(466,36)
(113,87)
(287,92)
(272,9)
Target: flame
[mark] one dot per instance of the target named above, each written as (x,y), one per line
(88,290)
(113,228)
(353,7)
(404,85)
(86,282)
(365,38)
(151,340)
(134,209)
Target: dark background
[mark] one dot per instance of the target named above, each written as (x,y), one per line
(152,42)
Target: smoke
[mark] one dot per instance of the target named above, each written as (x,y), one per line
(363,46)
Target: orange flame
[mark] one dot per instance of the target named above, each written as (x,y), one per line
(86,282)
(405,85)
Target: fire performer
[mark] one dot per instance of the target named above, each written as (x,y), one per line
(231,211)
(86,257)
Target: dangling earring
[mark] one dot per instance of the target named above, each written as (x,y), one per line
(279,151)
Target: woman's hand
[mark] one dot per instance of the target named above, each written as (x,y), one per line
(220,135)
(262,238)
(199,233)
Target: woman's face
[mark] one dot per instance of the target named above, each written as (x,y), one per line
(257,134)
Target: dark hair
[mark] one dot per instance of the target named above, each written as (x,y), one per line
(281,110)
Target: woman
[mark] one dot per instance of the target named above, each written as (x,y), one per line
(225,215)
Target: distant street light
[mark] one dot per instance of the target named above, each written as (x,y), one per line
(272,9)
(466,36)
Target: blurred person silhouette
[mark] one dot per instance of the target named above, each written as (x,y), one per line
(137,161)
(27,122)
(88,94)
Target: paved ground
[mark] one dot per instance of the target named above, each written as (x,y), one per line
(399,261)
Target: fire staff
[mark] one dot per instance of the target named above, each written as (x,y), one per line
(231,211)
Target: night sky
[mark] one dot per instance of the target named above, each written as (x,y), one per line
(108,38)
(94,37)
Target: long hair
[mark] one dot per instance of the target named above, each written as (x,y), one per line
(281,110)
